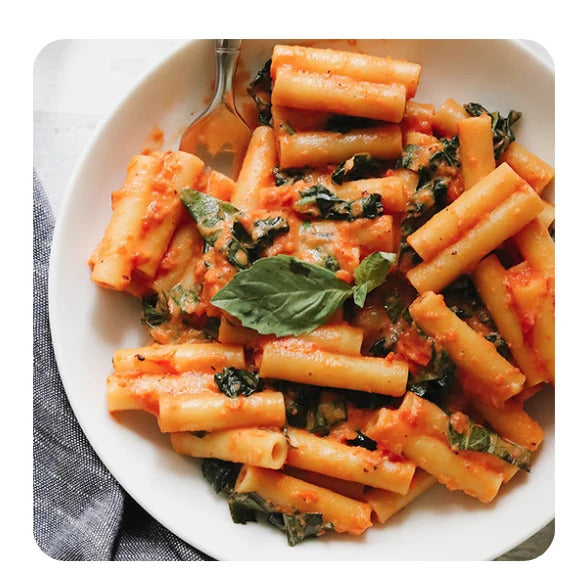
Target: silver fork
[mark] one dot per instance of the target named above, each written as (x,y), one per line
(227,54)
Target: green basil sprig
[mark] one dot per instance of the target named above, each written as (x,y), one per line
(283,296)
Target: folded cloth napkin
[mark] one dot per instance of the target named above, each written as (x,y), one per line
(80,512)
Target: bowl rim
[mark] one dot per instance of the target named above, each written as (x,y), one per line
(108,119)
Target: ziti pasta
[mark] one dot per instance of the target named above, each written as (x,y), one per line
(360,316)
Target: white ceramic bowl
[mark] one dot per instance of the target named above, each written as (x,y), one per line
(89,323)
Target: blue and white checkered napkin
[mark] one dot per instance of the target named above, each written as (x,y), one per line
(80,512)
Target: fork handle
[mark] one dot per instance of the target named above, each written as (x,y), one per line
(228,45)
(226,58)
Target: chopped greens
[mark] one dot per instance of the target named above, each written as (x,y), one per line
(155,310)
(245,507)
(503,134)
(312,408)
(362,440)
(235,382)
(320,202)
(210,214)
(393,305)
(300,526)
(220,474)
(436,380)
(428,199)
(357,167)
(158,308)
(213,217)
(448,155)
(260,90)
(381,347)
(474,437)
(501,344)
(287,175)
(345,123)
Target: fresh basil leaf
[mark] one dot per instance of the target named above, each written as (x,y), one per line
(370,274)
(282,295)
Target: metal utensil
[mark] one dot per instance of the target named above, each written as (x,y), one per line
(219,135)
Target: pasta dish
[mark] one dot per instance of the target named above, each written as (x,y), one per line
(358,314)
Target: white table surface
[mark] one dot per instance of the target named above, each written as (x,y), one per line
(76,85)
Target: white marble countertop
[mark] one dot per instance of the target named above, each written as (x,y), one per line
(76,84)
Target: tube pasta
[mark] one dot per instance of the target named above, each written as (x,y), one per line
(429,450)
(490,281)
(215,411)
(127,392)
(546,217)
(357,66)
(219,186)
(533,169)
(113,261)
(295,360)
(460,257)
(533,299)
(512,422)
(179,170)
(447,117)
(348,488)
(445,227)
(385,504)
(419,116)
(292,495)
(251,446)
(177,358)
(256,169)
(537,247)
(450,469)
(318,148)
(476,148)
(340,338)
(469,350)
(336,459)
(330,92)
(185,248)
